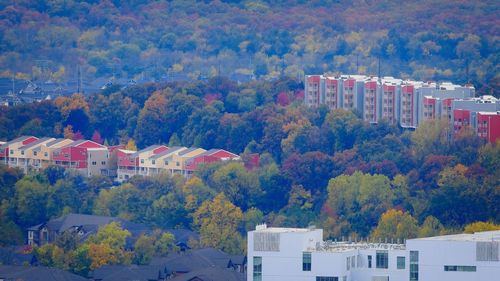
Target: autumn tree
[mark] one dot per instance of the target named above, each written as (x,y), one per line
(395,225)
(481,226)
(359,199)
(218,221)
(150,124)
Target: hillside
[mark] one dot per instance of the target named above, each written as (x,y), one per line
(181,40)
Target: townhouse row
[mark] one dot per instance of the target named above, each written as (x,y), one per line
(89,158)
(405,102)
(301,254)
(157,159)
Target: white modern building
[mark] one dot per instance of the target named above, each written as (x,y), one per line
(301,254)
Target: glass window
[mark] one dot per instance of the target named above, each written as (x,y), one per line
(348,263)
(353,262)
(466,268)
(257,268)
(413,265)
(370,261)
(22,152)
(46,154)
(142,161)
(153,162)
(401,262)
(306,261)
(326,278)
(382,259)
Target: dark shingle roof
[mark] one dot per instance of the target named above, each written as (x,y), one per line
(36,273)
(63,223)
(194,260)
(212,274)
(14,256)
(129,272)
(183,235)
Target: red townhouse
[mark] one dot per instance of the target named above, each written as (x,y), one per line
(11,147)
(85,156)
(132,163)
(209,156)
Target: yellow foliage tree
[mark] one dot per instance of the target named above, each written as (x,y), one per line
(218,221)
(481,226)
(396,224)
(131,145)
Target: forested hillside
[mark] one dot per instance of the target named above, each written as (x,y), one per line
(162,40)
(327,168)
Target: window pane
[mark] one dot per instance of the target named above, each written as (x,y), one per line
(401,262)
(257,268)
(306,261)
(382,259)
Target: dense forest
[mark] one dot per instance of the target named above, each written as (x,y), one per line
(168,40)
(321,167)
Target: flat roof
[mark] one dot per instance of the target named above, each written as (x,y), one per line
(285,230)
(477,236)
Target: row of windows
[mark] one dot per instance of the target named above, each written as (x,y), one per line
(466,268)
(330,278)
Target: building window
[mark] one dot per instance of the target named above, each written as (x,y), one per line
(370,261)
(326,278)
(465,268)
(413,265)
(306,261)
(94,163)
(166,163)
(22,152)
(177,164)
(12,152)
(34,153)
(103,162)
(401,262)
(348,263)
(153,162)
(257,268)
(382,259)
(142,161)
(46,154)
(353,262)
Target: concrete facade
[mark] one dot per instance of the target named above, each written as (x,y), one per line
(301,254)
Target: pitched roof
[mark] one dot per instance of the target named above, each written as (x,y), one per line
(211,274)
(21,138)
(13,255)
(35,143)
(149,148)
(50,143)
(194,260)
(183,235)
(129,272)
(167,152)
(37,273)
(63,223)
(191,149)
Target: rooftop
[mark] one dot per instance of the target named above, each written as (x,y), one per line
(338,247)
(477,236)
(263,228)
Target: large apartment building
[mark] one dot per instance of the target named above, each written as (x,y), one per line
(405,102)
(295,254)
